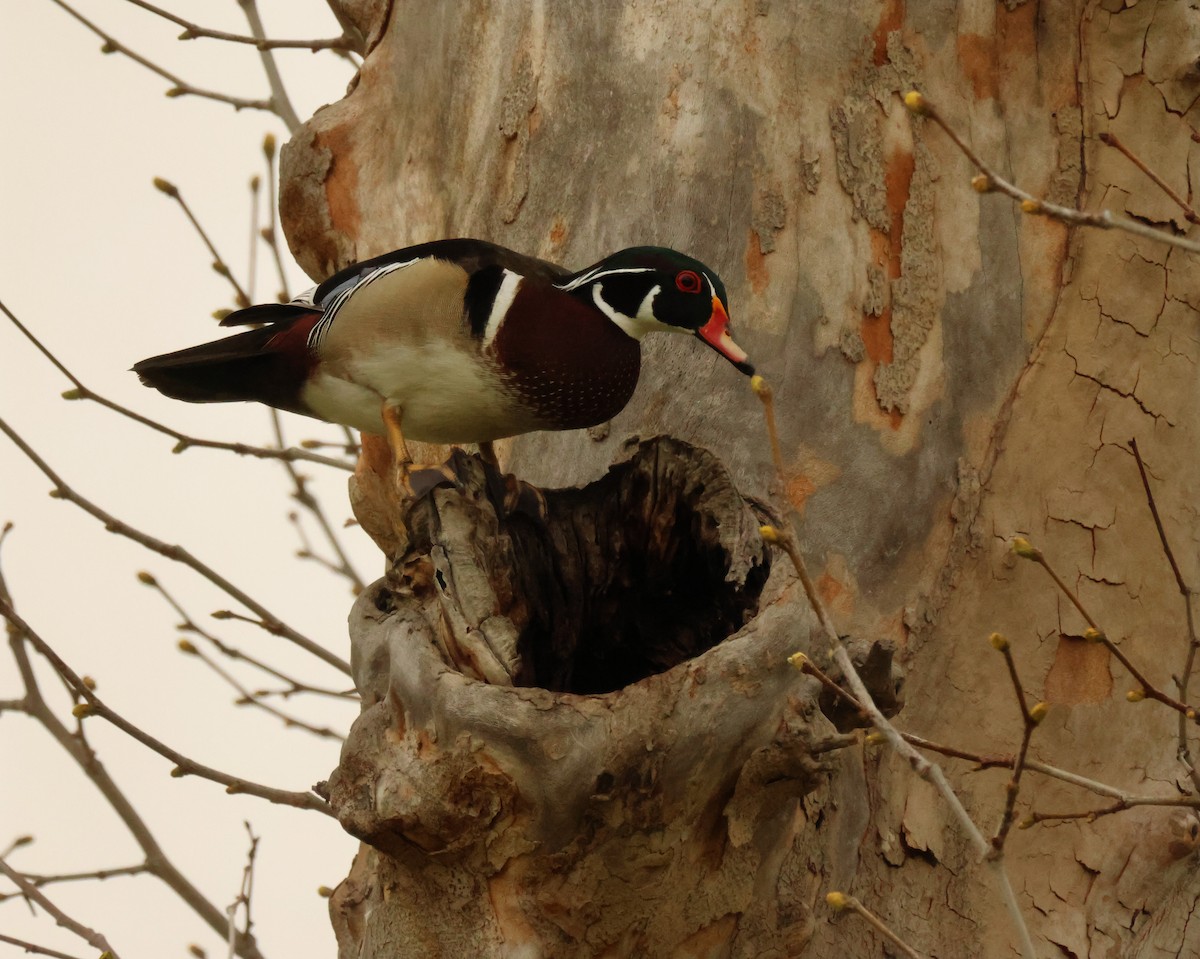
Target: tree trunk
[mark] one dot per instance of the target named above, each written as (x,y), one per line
(949,373)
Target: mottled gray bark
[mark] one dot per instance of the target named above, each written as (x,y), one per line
(949,373)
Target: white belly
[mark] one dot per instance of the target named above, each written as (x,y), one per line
(445,395)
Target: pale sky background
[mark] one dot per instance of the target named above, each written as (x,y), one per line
(106,271)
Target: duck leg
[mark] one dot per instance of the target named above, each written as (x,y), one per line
(392,417)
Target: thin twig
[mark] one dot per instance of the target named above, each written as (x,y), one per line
(269,234)
(32,947)
(93,875)
(220,267)
(1095,634)
(189,625)
(927,770)
(1189,659)
(840,901)
(279,98)
(192,31)
(33,894)
(1030,718)
(1111,139)
(269,621)
(301,495)
(247,698)
(252,251)
(183,441)
(184,766)
(75,745)
(992,182)
(180,87)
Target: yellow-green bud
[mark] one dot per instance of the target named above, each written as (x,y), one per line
(21,841)
(255,182)
(1026,550)
(1025,824)
(234,788)
(837,900)
(875,738)
(324,892)
(1093,635)
(268,146)
(1031,206)
(760,386)
(89,683)
(175,92)
(75,394)
(982,183)
(83,709)
(770,534)
(165,186)
(178,772)
(999,642)
(108,47)
(221,313)
(222,614)
(798,660)
(196,951)
(916,103)
(1135,695)
(146,579)
(187,646)
(1038,711)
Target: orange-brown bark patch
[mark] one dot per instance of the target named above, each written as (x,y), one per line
(891,19)
(977,54)
(799,488)
(341,182)
(1080,673)
(756,264)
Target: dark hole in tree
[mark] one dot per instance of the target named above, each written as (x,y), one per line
(650,565)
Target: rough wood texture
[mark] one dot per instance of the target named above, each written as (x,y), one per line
(949,373)
(511,816)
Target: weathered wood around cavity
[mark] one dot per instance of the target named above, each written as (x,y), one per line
(677,763)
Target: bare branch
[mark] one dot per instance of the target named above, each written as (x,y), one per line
(183,441)
(270,621)
(92,875)
(1111,139)
(301,495)
(35,948)
(1031,718)
(1189,660)
(247,698)
(279,97)
(991,182)
(33,894)
(189,625)
(930,772)
(193,31)
(94,706)
(180,87)
(269,234)
(840,901)
(1095,634)
(219,265)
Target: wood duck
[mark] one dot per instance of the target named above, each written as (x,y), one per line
(457,341)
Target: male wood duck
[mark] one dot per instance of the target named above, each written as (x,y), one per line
(457,341)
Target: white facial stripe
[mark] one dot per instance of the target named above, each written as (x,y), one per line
(504,299)
(599,272)
(646,307)
(636,326)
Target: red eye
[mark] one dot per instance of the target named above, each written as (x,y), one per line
(689,281)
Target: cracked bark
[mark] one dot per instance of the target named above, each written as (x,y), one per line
(948,373)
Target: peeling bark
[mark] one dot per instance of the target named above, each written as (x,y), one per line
(948,372)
